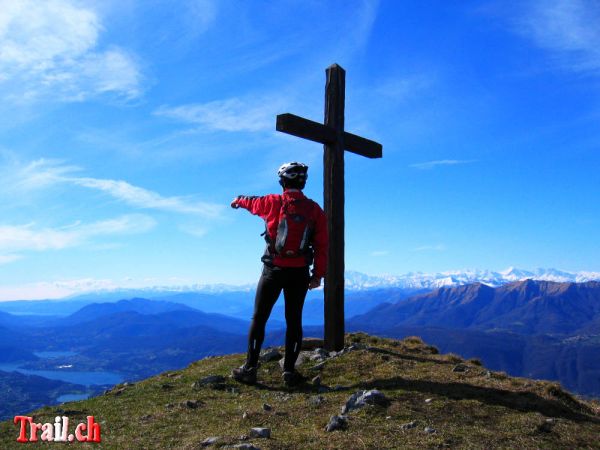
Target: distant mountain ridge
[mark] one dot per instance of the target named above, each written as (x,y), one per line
(354,281)
(526,307)
(139,305)
(419,280)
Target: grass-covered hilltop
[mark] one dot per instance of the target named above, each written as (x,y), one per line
(385,394)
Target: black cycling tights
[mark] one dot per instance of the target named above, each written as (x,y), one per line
(294,282)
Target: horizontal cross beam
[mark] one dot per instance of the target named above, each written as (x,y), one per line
(362,146)
(304,128)
(317,132)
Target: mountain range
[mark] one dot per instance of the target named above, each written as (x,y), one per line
(354,281)
(420,280)
(524,307)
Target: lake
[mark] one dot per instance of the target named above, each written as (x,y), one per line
(86,378)
(71,397)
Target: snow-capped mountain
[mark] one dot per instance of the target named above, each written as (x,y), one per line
(357,281)
(419,280)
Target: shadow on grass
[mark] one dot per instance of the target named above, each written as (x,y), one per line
(520,401)
(384,351)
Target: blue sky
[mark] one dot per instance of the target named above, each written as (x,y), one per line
(128,126)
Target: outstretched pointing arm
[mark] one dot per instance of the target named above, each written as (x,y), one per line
(259,206)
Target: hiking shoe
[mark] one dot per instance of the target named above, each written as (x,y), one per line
(291,379)
(243,374)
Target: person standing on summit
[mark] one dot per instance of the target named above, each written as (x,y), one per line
(296,235)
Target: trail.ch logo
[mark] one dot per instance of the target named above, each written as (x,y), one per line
(57,431)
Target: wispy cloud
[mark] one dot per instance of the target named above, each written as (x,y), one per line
(233,114)
(144,198)
(380,253)
(21,238)
(35,175)
(427,248)
(566,28)
(366,15)
(50,49)
(200,15)
(255,111)
(43,173)
(442,162)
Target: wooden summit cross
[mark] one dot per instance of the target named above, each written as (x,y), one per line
(335,141)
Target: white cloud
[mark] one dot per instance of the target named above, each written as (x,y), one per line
(43,173)
(361,29)
(201,14)
(28,238)
(567,28)
(231,114)
(380,253)
(36,175)
(143,198)
(31,37)
(50,48)
(441,162)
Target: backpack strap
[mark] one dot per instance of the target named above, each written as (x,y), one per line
(270,250)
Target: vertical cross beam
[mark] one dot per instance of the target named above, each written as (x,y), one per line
(333,179)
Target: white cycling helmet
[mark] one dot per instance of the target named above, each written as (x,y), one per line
(293,170)
(293,174)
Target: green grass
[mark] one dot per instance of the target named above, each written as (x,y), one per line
(472,409)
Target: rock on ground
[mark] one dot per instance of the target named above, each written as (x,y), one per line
(362,398)
(244,446)
(260,432)
(337,423)
(209,441)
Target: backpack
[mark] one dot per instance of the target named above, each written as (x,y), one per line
(294,229)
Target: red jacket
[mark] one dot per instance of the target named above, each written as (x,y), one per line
(269,206)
